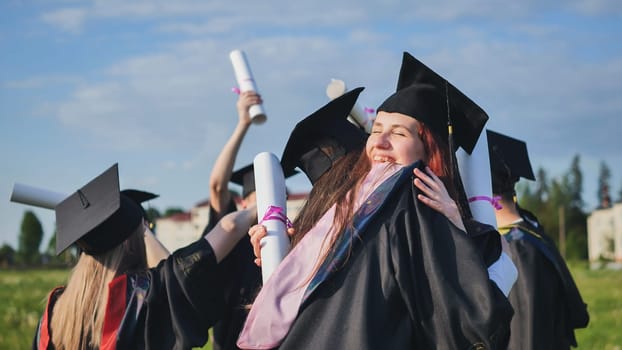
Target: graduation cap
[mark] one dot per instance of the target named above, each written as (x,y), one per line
(245,177)
(426,96)
(323,137)
(509,161)
(139,197)
(98,216)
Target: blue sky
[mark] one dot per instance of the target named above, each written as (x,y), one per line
(147,84)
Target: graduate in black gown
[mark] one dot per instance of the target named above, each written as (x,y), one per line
(243,277)
(547,304)
(379,262)
(112,300)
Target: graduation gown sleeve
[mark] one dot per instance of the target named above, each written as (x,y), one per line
(184,299)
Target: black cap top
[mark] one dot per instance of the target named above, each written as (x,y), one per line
(424,95)
(139,197)
(97,217)
(323,137)
(508,157)
(245,177)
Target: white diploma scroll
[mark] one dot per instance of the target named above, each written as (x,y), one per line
(337,88)
(475,174)
(35,196)
(271,195)
(245,80)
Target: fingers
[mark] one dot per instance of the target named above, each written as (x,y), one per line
(426,184)
(256,233)
(249,98)
(434,192)
(430,203)
(291,231)
(430,179)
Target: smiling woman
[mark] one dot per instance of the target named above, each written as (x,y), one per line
(385,263)
(395,138)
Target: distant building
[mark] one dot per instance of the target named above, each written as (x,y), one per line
(604,231)
(181,229)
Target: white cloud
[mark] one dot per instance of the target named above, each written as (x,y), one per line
(597,7)
(211,27)
(42,81)
(68,19)
(216,17)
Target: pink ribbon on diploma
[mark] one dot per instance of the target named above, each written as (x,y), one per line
(235,90)
(369,110)
(276,213)
(494,200)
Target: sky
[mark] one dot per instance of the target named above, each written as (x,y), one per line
(147,84)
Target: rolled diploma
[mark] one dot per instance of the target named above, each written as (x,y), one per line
(337,88)
(246,82)
(270,191)
(475,174)
(35,196)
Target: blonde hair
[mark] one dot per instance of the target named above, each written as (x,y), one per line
(78,315)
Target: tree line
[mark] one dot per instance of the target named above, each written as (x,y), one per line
(559,205)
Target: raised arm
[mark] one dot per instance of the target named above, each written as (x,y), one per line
(155,250)
(221,173)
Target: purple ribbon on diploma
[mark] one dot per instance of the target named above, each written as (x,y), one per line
(235,90)
(276,213)
(494,200)
(369,110)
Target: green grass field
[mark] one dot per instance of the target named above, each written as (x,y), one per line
(22,295)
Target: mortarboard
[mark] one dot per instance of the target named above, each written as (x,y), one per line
(98,216)
(426,96)
(245,177)
(508,157)
(323,137)
(139,197)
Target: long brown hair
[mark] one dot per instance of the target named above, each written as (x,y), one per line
(437,152)
(78,315)
(333,187)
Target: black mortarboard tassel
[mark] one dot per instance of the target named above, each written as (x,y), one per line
(98,216)
(323,137)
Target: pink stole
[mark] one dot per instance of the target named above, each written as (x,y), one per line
(278,302)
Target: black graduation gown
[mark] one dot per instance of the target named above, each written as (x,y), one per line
(547,304)
(170,306)
(413,281)
(241,282)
